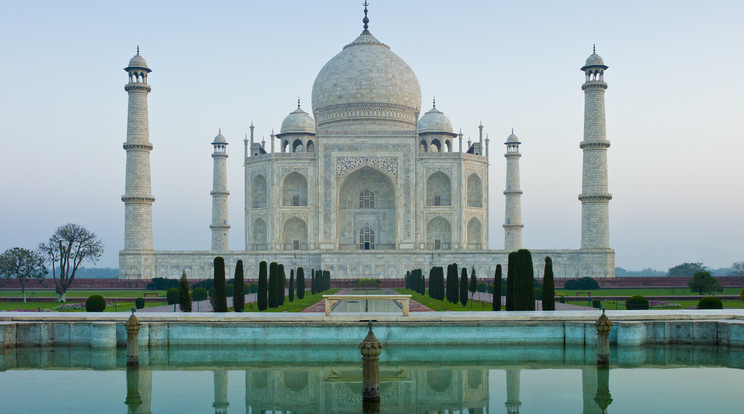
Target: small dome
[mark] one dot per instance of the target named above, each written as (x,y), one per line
(137,62)
(219,139)
(512,139)
(435,121)
(298,121)
(594,60)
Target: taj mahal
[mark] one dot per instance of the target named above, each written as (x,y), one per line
(367,183)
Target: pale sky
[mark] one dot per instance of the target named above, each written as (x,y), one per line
(675,114)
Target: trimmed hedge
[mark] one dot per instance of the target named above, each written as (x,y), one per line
(139,303)
(95,303)
(171,296)
(219,300)
(636,303)
(710,303)
(548,291)
(199,293)
(239,290)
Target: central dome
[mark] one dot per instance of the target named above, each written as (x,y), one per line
(366,81)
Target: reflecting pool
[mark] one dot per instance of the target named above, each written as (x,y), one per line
(416,380)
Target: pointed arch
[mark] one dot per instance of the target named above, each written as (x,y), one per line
(475,234)
(294,234)
(259,234)
(475,191)
(259,190)
(294,190)
(438,190)
(438,234)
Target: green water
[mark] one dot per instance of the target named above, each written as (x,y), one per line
(460,380)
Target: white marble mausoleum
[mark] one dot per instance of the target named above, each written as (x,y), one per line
(365,183)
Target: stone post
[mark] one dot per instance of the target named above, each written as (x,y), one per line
(604,326)
(370,349)
(220,392)
(512,391)
(133,327)
(134,400)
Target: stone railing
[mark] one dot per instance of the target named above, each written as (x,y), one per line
(402,300)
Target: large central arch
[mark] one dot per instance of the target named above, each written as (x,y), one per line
(366,204)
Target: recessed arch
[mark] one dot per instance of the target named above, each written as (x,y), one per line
(438,190)
(422,146)
(475,236)
(297,146)
(294,190)
(294,234)
(475,191)
(436,145)
(259,234)
(259,191)
(438,234)
(310,146)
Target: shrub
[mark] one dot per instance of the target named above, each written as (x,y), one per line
(482,288)
(489,289)
(282,285)
(636,303)
(95,303)
(538,294)
(253,288)
(562,299)
(207,284)
(596,303)
(199,293)
(453,291)
(464,286)
(184,296)
(230,290)
(510,276)
(239,288)
(582,283)
(171,296)
(291,285)
(367,282)
(710,303)
(220,298)
(274,285)
(139,303)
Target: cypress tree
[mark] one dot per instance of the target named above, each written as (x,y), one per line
(439,283)
(327,279)
(453,282)
(239,295)
(283,284)
(184,297)
(263,286)
(510,268)
(524,282)
(274,285)
(220,296)
(496,298)
(300,283)
(464,286)
(473,285)
(548,296)
(291,285)
(312,281)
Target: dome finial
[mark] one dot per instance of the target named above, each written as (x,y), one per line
(298,102)
(366,19)
(137,50)
(594,48)
(434,102)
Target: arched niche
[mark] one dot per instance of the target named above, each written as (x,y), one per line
(294,190)
(422,146)
(259,191)
(295,234)
(475,191)
(438,234)
(310,146)
(259,234)
(475,237)
(366,199)
(436,145)
(438,190)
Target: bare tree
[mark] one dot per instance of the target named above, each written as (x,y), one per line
(22,264)
(737,269)
(68,247)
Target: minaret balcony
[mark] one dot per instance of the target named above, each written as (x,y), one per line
(594,144)
(595,198)
(134,87)
(141,146)
(589,85)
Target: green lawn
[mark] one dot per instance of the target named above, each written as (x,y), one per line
(444,305)
(644,292)
(296,305)
(72,293)
(120,307)
(620,305)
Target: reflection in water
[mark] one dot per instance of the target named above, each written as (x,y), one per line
(405,387)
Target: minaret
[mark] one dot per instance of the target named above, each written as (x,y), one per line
(595,199)
(512,391)
(137,196)
(219,226)
(513,195)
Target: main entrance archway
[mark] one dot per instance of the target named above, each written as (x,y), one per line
(366,211)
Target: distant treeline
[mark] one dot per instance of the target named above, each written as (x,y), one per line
(620,272)
(92,273)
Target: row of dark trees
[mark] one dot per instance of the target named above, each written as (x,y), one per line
(520,283)
(271,287)
(320,281)
(415,281)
